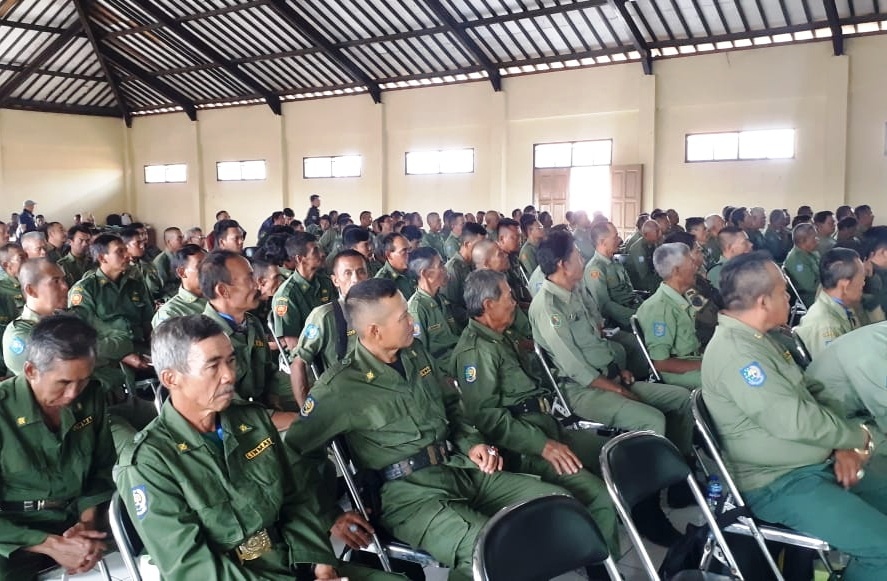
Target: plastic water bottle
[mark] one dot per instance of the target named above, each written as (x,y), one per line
(714,492)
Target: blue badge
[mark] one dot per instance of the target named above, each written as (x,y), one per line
(470,374)
(308,407)
(140,500)
(417,330)
(800,268)
(753,374)
(659,329)
(17,346)
(312,331)
(640,258)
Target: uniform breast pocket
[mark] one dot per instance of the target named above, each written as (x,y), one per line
(392,427)
(209,500)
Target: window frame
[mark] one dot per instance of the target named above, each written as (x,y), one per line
(739,146)
(473,151)
(331,159)
(241,162)
(166,167)
(572,144)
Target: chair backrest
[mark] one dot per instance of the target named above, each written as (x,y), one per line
(539,538)
(638,333)
(125,536)
(283,354)
(799,308)
(561,406)
(704,423)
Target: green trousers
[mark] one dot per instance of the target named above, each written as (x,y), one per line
(690,380)
(442,509)
(810,500)
(628,354)
(663,408)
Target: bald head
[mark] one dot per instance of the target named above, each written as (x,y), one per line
(43,286)
(487,255)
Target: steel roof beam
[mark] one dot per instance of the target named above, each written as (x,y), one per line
(637,39)
(834,23)
(145,77)
(199,44)
(38,61)
(467,43)
(308,30)
(50,107)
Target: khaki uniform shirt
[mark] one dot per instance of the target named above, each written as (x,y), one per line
(803,268)
(182,304)
(405,283)
(824,322)
(434,325)
(608,281)
(74,268)
(295,298)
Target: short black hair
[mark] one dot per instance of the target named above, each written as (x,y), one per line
(744,280)
(366,294)
(313,197)
(354,235)
(214,271)
(219,213)
(682,237)
(273,248)
(738,216)
(507,223)
(346,253)
(862,209)
(843,212)
(472,230)
(821,216)
(725,213)
(288,212)
(555,248)
(848,223)
(276,215)
(838,264)
(694,222)
(113,220)
(297,244)
(222,226)
(526,221)
(874,239)
(73,230)
(387,243)
(129,234)
(261,266)
(411,232)
(102,244)
(62,337)
(180,258)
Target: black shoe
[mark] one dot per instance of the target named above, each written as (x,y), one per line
(680,496)
(652,523)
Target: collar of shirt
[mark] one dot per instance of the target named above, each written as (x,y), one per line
(28,412)
(557,291)
(484,331)
(186,295)
(674,296)
(381,374)
(602,258)
(29,315)
(838,306)
(734,324)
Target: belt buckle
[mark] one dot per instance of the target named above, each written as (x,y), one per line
(254,547)
(432,455)
(545,405)
(32,505)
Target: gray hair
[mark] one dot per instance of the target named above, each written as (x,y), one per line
(758,211)
(172,340)
(803,232)
(195,231)
(37,238)
(481,252)
(482,285)
(60,338)
(668,257)
(32,273)
(421,260)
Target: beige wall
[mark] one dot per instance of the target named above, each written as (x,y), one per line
(68,164)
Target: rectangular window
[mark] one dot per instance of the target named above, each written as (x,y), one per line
(340,166)
(444,161)
(741,145)
(238,171)
(573,154)
(173,173)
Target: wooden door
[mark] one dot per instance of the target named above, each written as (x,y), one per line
(551,187)
(626,195)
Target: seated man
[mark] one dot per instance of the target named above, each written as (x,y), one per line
(798,462)
(228,235)
(360,239)
(509,243)
(508,403)
(77,262)
(487,255)
(833,314)
(455,221)
(802,263)
(458,267)
(56,454)
(397,256)
(208,484)
(433,322)
(139,262)
(34,244)
(733,242)
(608,280)
(441,481)
(12,299)
(533,233)
(640,258)
(703,297)
(163,263)
(188,300)
(668,318)
(711,249)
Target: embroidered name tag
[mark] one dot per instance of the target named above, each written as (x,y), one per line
(263,445)
(425,371)
(82,424)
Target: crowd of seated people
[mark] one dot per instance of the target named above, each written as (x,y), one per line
(413,338)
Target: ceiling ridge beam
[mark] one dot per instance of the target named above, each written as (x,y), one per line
(53,107)
(467,43)
(145,77)
(834,23)
(272,100)
(38,61)
(637,39)
(83,9)
(336,55)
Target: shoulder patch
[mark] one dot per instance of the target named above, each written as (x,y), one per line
(17,346)
(595,274)
(470,373)
(312,331)
(555,320)
(308,407)
(417,329)
(281,307)
(640,258)
(753,374)
(140,500)
(76,297)
(799,267)
(659,329)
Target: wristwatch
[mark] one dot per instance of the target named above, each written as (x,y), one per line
(869,448)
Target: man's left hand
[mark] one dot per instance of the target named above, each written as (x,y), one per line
(486,457)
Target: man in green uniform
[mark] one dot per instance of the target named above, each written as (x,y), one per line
(876,243)
(226,281)
(453,242)
(834,312)
(56,454)
(188,300)
(714,223)
(11,298)
(441,481)
(45,290)
(825,225)
(55,240)
(491,223)
(640,258)
(200,516)
(77,262)
(359,239)
(532,231)
(508,403)
(488,255)
(433,238)
(331,241)
(607,279)
(433,323)
(458,267)
(639,223)
(34,244)
(304,290)
(228,235)
(397,255)
(798,462)
(778,237)
(139,265)
(753,223)
(163,263)
(668,319)
(509,244)
(733,242)
(802,263)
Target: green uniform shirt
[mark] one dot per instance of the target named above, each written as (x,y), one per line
(169,280)
(194,499)
(528,257)
(712,252)
(756,238)
(768,415)
(146,269)
(714,273)
(11,304)
(566,330)
(778,244)
(824,322)
(74,268)
(582,236)
(631,240)
(73,464)
(852,370)
(434,325)
(373,268)
(295,298)
(457,271)
(404,282)
(803,268)
(826,243)
(320,336)
(608,281)
(451,246)
(433,240)
(15,339)
(492,376)
(515,278)
(182,304)
(640,266)
(668,321)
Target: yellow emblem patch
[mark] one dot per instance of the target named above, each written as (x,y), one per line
(263,445)
(370,376)
(260,343)
(243,428)
(595,274)
(281,308)
(21,421)
(183,447)
(76,299)
(425,371)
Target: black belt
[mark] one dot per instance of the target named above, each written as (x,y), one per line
(34,505)
(433,455)
(536,405)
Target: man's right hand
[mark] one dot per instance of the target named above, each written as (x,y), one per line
(561,457)
(353,529)
(136,361)
(77,554)
(609,385)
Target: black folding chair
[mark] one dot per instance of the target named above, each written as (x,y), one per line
(540,538)
(638,333)
(638,465)
(282,352)
(125,537)
(798,308)
(735,505)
